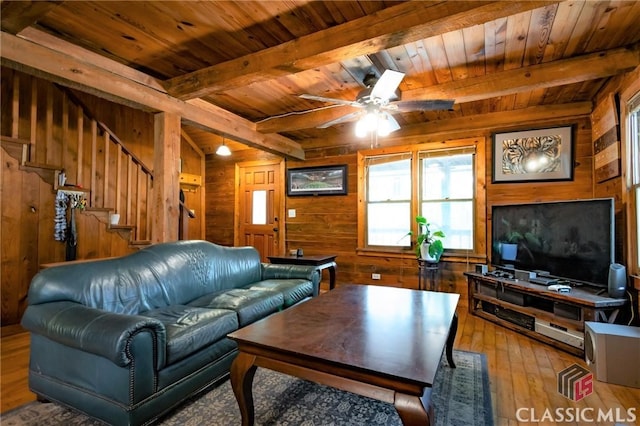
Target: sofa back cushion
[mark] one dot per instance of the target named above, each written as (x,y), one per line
(161,275)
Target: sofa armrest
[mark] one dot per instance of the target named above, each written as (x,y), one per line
(100,332)
(272,271)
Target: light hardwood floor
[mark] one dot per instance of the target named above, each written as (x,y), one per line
(522,372)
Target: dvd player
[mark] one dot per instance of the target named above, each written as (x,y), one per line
(573,338)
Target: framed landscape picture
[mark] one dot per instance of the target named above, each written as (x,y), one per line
(533,155)
(323,180)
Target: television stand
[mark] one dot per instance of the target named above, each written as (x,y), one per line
(535,311)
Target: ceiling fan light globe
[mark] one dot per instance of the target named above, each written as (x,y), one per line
(371,121)
(384,127)
(361,129)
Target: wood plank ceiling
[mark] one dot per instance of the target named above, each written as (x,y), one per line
(237,68)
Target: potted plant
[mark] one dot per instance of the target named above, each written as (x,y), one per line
(428,243)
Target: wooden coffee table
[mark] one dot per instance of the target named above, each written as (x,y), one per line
(382,342)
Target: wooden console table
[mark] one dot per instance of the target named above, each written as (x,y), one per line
(321,261)
(534,310)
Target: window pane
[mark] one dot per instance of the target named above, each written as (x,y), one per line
(447,189)
(388,223)
(390,181)
(455,219)
(449,177)
(634,173)
(259,214)
(638,223)
(634,134)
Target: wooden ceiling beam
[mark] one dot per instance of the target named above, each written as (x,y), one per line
(65,70)
(493,120)
(540,76)
(83,55)
(303,121)
(550,74)
(18,15)
(390,27)
(240,130)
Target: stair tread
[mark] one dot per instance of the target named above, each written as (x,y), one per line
(122,226)
(19,141)
(42,166)
(72,189)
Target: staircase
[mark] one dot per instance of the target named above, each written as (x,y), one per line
(75,144)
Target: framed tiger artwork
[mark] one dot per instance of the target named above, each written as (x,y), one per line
(533,155)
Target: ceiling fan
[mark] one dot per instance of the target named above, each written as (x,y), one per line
(379,100)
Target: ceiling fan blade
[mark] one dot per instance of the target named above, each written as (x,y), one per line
(344,118)
(330,100)
(387,85)
(426,105)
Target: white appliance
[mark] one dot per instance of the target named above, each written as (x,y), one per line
(570,337)
(612,352)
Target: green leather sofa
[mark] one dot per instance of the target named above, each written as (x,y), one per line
(126,340)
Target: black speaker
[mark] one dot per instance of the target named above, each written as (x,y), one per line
(617,280)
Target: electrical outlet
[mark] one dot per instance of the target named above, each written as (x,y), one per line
(375,276)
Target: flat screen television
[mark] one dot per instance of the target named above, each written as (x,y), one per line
(573,240)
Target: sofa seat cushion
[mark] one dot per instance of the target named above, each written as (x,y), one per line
(190,329)
(294,290)
(250,305)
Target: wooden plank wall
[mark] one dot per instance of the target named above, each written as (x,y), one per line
(616,187)
(328,224)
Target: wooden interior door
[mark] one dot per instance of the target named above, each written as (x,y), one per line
(259,217)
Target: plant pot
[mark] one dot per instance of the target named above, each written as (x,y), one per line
(508,251)
(424,253)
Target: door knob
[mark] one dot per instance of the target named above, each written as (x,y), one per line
(275,229)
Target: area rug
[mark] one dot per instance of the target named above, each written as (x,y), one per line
(461,396)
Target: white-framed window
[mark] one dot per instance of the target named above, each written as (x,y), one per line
(447,194)
(388,195)
(633,180)
(442,185)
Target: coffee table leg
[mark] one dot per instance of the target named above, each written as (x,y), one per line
(450,339)
(414,410)
(242,372)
